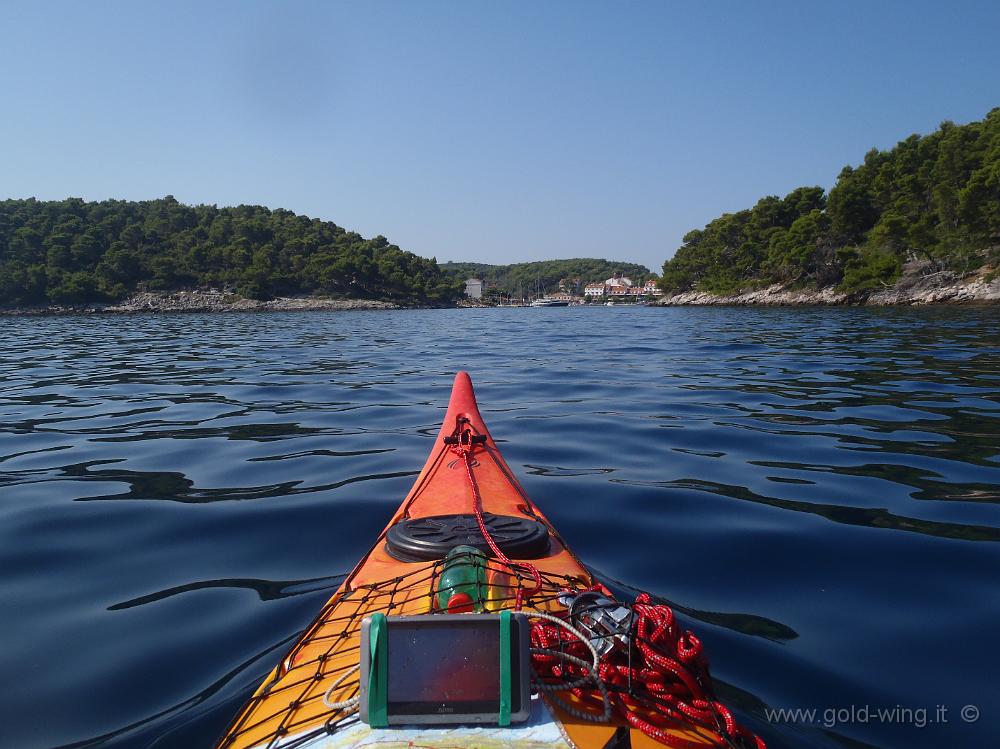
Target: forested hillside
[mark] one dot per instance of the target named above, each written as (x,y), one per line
(934,198)
(545,275)
(70,251)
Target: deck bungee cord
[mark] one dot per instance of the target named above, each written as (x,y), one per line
(461,442)
(467,538)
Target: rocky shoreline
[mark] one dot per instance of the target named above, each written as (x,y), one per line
(936,288)
(912,289)
(202,301)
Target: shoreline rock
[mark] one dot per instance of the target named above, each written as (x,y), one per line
(913,290)
(201,301)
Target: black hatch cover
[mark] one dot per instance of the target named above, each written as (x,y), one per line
(429,538)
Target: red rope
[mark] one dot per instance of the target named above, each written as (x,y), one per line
(671,667)
(667,684)
(466,455)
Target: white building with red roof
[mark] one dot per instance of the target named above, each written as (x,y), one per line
(620,291)
(621,286)
(651,289)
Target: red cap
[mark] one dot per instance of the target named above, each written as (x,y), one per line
(460,603)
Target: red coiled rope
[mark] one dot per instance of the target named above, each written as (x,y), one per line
(466,456)
(667,684)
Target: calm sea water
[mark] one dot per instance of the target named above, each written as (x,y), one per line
(816,490)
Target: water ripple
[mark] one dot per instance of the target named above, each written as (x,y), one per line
(815,491)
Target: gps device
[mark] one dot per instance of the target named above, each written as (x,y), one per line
(445,668)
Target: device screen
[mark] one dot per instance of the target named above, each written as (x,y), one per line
(436,664)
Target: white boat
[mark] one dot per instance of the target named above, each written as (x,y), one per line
(546,302)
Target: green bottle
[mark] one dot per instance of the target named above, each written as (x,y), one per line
(462,585)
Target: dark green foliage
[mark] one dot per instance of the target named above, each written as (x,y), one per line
(70,252)
(868,267)
(738,249)
(935,198)
(545,275)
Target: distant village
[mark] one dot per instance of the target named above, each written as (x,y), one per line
(618,288)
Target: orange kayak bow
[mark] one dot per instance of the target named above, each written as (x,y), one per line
(291,708)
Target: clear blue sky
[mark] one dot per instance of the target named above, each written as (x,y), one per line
(495,132)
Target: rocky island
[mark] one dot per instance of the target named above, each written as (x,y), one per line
(917,224)
(917,285)
(160,255)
